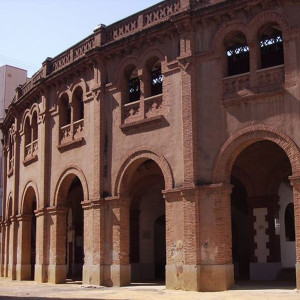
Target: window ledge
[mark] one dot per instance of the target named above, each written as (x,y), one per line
(137,124)
(250,98)
(30,159)
(70,144)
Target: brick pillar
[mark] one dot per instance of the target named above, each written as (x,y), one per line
(295,181)
(93,242)
(12,249)
(2,254)
(217,272)
(42,245)
(182,236)
(23,268)
(6,248)
(57,268)
(120,270)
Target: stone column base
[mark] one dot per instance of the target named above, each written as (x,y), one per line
(92,274)
(40,273)
(23,272)
(216,277)
(120,275)
(57,273)
(12,272)
(185,277)
(298,276)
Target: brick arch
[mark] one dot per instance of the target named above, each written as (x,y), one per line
(245,137)
(152,52)
(129,60)
(25,198)
(140,155)
(79,82)
(26,115)
(267,17)
(233,26)
(64,182)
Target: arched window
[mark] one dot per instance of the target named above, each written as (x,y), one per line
(237,52)
(65,111)
(289,221)
(78,105)
(10,153)
(34,126)
(156,79)
(271,46)
(27,132)
(134,90)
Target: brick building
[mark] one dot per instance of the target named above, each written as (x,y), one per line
(164,146)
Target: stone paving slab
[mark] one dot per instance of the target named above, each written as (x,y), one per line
(31,290)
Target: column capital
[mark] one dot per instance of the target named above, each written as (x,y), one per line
(93,204)
(118,201)
(57,210)
(24,217)
(295,181)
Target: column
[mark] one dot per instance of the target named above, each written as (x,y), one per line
(23,268)
(12,248)
(120,270)
(217,273)
(93,242)
(6,247)
(295,181)
(182,236)
(42,245)
(57,270)
(3,248)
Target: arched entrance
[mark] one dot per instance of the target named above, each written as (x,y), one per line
(27,236)
(147,223)
(258,162)
(257,208)
(68,222)
(74,243)
(138,219)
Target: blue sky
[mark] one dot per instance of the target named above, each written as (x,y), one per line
(31,30)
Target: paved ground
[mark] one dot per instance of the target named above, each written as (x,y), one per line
(244,291)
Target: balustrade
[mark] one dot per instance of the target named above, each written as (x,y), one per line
(71,131)
(270,79)
(233,86)
(31,150)
(142,109)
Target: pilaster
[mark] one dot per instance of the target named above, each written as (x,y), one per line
(217,272)
(23,268)
(42,245)
(57,265)
(120,270)
(93,242)
(182,235)
(12,248)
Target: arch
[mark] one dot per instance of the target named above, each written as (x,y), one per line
(152,52)
(266,17)
(79,82)
(217,44)
(245,137)
(127,61)
(30,185)
(63,90)
(64,183)
(26,114)
(35,108)
(138,155)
